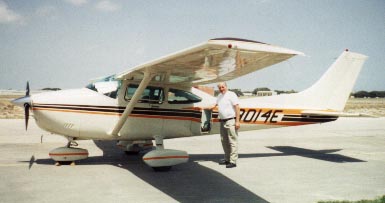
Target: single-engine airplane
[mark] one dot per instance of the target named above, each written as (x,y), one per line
(158,100)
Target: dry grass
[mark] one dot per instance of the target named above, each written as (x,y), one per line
(369,106)
(8,110)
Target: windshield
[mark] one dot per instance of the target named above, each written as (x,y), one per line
(107,86)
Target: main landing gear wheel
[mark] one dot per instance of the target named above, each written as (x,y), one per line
(161,159)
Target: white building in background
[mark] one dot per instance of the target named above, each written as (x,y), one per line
(266,93)
(247,94)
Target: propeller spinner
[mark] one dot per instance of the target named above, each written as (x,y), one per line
(26,103)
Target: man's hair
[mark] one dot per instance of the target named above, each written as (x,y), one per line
(222,83)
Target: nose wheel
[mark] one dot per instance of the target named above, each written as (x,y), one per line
(67,155)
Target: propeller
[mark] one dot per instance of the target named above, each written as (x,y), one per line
(27,106)
(26,103)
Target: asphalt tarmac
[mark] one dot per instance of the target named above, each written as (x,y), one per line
(341,160)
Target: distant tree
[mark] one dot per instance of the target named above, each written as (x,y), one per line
(237,91)
(361,94)
(285,91)
(51,89)
(380,94)
(372,94)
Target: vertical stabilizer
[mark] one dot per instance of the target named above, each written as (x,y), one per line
(330,92)
(333,89)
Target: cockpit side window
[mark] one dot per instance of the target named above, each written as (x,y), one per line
(176,96)
(153,95)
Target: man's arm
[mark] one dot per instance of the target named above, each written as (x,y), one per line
(212,107)
(237,116)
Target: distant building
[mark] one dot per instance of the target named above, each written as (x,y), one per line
(248,94)
(265,93)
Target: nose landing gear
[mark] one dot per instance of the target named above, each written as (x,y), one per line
(68,155)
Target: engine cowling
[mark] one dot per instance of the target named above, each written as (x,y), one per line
(165,157)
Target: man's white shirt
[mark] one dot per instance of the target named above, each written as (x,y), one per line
(226,103)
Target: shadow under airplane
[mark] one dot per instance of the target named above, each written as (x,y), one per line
(193,182)
(324,155)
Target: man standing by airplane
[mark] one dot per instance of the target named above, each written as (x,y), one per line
(228,107)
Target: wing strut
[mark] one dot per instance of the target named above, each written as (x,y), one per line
(130,106)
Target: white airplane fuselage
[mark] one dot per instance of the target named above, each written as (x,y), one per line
(87,114)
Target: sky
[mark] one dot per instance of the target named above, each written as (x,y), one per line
(65,43)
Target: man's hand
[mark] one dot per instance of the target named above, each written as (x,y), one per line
(211,107)
(237,125)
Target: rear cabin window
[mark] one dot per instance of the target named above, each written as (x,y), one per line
(150,94)
(176,96)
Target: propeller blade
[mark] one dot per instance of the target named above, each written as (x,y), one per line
(26,114)
(25,102)
(27,89)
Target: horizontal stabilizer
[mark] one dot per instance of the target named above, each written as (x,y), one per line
(334,113)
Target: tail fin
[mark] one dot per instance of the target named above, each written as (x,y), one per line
(332,90)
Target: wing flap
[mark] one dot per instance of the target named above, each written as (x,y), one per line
(214,61)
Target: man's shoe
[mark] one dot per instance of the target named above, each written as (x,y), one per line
(231,165)
(223,162)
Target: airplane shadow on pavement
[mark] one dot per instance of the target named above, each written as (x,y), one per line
(193,182)
(189,182)
(324,155)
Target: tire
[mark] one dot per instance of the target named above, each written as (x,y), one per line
(162,168)
(131,152)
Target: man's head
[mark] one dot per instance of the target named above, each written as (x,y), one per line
(222,87)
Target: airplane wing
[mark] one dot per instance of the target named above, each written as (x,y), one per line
(216,60)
